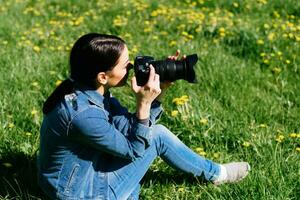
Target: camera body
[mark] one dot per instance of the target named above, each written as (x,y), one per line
(168,70)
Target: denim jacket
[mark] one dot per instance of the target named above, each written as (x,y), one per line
(80,138)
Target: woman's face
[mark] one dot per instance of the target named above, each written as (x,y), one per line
(118,75)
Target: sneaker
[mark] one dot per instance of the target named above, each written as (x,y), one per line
(232,172)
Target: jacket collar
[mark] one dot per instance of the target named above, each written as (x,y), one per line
(93,96)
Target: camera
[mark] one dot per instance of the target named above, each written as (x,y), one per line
(168,70)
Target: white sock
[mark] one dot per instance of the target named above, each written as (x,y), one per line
(223,174)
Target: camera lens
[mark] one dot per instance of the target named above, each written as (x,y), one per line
(168,70)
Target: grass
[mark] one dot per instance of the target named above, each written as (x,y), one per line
(246,105)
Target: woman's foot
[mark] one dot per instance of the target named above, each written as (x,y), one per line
(232,172)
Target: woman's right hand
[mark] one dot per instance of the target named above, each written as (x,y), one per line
(146,94)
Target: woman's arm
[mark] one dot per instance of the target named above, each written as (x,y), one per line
(91,127)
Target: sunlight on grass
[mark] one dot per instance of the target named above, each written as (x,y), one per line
(245,105)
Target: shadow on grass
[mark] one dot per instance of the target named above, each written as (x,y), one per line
(18,179)
(171,176)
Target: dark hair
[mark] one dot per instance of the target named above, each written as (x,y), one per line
(92,53)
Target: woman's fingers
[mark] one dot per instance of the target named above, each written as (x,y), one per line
(151,75)
(175,57)
(134,85)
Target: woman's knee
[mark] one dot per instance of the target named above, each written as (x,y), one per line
(159,129)
(161,134)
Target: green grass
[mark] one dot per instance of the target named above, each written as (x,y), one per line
(245,106)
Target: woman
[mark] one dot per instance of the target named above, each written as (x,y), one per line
(92,148)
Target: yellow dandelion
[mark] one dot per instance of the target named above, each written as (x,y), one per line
(155,37)
(174,113)
(262,54)
(37,49)
(185,97)
(35,84)
(266,61)
(260,42)
(34,112)
(11,125)
(271,36)
(298,149)
(203,121)
(293,135)
(236,5)
(281,137)
(172,43)
(199,149)
(246,144)
(28,134)
(266,26)
(276,70)
(58,82)
(216,155)
(263,126)
(278,140)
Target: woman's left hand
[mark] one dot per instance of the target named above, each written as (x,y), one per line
(166,84)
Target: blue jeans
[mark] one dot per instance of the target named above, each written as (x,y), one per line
(124,182)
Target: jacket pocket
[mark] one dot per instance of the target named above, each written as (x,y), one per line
(72,178)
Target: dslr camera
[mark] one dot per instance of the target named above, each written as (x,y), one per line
(168,70)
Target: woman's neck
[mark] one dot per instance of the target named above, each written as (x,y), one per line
(102,90)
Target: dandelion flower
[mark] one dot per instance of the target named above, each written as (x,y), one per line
(58,82)
(204,121)
(263,125)
(216,155)
(260,42)
(298,149)
(246,144)
(236,5)
(276,70)
(11,125)
(271,36)
(37,49)
(174,113)
(28,134)
(35,84)
(172,43)
(34,112)
(293,135)
(199,149)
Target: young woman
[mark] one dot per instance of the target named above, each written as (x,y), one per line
(93,148)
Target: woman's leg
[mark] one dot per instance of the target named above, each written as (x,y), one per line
(179,156)
(126,178)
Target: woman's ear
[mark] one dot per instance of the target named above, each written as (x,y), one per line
(102,78)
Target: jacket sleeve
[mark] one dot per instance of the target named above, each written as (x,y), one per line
(91,127)
(122,119)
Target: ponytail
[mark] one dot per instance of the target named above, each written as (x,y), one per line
(66,87)
(92,53)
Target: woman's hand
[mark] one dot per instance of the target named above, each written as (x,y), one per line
(166,84)
(146,94)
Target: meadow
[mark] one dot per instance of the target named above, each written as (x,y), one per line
(245,106)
